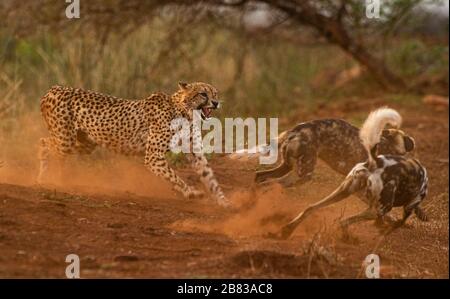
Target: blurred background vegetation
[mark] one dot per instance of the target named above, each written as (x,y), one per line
(266,57)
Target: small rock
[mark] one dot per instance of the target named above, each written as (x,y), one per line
(116,225)
(435,100)
(108,266)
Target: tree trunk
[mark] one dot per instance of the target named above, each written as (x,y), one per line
(334,31)
(336,34)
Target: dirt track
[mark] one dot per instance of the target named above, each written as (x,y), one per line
(124,225)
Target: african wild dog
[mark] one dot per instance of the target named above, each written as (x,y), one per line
(386,181)
(334,141)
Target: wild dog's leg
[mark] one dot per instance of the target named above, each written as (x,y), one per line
(352,183)
(289,155)
(303,167)
(286,173)
(399,223)
(406,213)
(301,156)
(386,202)
(288,180)
(381,221)
(339,194)
(155,161)
(292,177)
(289,176)
(279,171)
(423,193)
(307,162)
(413,206)
(304,148)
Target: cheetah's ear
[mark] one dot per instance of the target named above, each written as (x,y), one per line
(182,85)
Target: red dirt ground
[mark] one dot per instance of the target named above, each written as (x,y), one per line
(122,222)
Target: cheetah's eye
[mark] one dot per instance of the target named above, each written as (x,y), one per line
(204,94)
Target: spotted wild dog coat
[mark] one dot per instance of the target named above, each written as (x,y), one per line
(386,181)
(334,141)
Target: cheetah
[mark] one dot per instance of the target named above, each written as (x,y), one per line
(78,120)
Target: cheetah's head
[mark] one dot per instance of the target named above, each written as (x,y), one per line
(198,96)
(395,142)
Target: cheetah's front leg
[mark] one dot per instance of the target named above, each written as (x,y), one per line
(156,162)
(206,174)
(158,165)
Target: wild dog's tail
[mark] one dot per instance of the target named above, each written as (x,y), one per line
(255,152)
(370,132)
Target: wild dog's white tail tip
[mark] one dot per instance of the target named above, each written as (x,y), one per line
(370,132)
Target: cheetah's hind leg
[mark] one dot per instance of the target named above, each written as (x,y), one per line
(50,151)
(43,156)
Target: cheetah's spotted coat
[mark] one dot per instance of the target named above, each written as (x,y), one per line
(78,120)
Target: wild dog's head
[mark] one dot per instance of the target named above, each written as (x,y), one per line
(395,142)
(197,96)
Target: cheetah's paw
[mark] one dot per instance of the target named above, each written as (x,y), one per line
(223,202)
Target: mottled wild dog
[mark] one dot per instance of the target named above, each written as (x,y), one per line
(386,181)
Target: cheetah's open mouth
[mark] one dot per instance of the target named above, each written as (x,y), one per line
(206,112)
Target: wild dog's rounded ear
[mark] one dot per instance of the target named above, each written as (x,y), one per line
(410,144)
(182,85)
(384,134)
